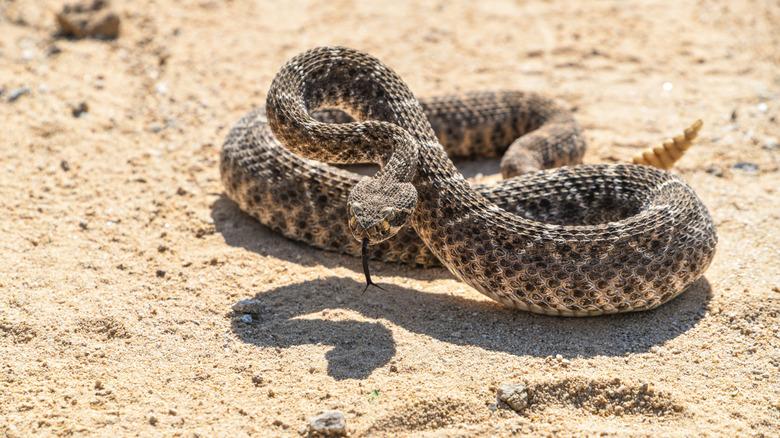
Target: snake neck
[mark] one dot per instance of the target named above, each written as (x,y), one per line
(388,116)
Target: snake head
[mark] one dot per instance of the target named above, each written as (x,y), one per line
(377,210)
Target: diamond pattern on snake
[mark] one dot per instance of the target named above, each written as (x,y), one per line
(555,237)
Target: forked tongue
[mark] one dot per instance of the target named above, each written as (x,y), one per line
(365,267)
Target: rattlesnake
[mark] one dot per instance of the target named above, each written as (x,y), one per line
(573,241)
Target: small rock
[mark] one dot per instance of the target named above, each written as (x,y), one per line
(258,380)
(329,423)
(771,144)
(160,273)
(246,319)
(250,305)
(156,127)
(83,224)
(515,395)
(746,167)
(161,88)
(17,92)
(152,420)
(88,19)
(456,335)
(78,110)
(715,170)
(65,165)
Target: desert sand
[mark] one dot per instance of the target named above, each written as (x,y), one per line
(122,259)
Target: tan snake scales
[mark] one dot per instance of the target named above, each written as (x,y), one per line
(574,241)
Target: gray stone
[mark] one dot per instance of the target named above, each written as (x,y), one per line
(515,395)
(17,93)
(746,167)
(250,305)
(89,19)
(329,423)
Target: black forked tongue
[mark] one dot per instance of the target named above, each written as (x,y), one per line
(365,267)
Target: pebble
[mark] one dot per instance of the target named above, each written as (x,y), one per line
(515,395)
(715,170)
(17,92)
(153,420)
(246,319)
(160,273)
(771,144)
(250,305)
(161,88)
(88,19)
(329,423)
(79,109)
(156,127)
(746,167)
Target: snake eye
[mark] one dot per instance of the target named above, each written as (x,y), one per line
(388,213)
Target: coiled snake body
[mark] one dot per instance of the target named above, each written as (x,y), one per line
(574,241)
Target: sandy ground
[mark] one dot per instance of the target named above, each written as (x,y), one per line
(122,259)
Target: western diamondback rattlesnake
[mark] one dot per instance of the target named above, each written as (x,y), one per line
(574,241)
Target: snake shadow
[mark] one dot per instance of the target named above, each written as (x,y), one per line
(318,312)
(321,312)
